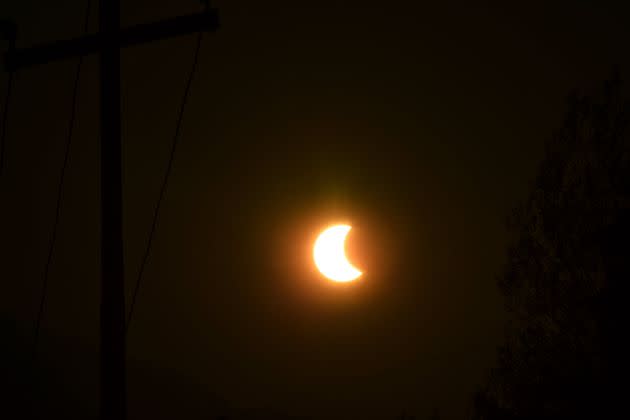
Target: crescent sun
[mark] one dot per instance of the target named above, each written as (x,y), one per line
(330,256)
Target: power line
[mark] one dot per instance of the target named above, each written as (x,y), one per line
(5,115)
(167,175)
(8,31)
(64,167)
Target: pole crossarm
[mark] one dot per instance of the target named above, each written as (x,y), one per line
(207,21)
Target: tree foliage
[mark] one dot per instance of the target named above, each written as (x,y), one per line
(565,279)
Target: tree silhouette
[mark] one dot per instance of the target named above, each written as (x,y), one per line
(436,414)
(565,279)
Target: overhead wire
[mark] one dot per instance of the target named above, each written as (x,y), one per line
(8,31)
(5,116)
(60,187)
(167,174)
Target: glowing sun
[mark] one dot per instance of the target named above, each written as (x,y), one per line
(330,256)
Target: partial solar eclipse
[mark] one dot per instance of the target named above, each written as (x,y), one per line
(330,255)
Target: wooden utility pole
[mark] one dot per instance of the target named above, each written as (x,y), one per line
(112,356)
(107,43)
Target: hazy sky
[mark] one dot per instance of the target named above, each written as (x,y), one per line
(419,124)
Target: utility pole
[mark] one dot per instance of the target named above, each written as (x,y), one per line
(112,310)
(107,43)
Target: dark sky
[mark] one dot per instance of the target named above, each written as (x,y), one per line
(421,124)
